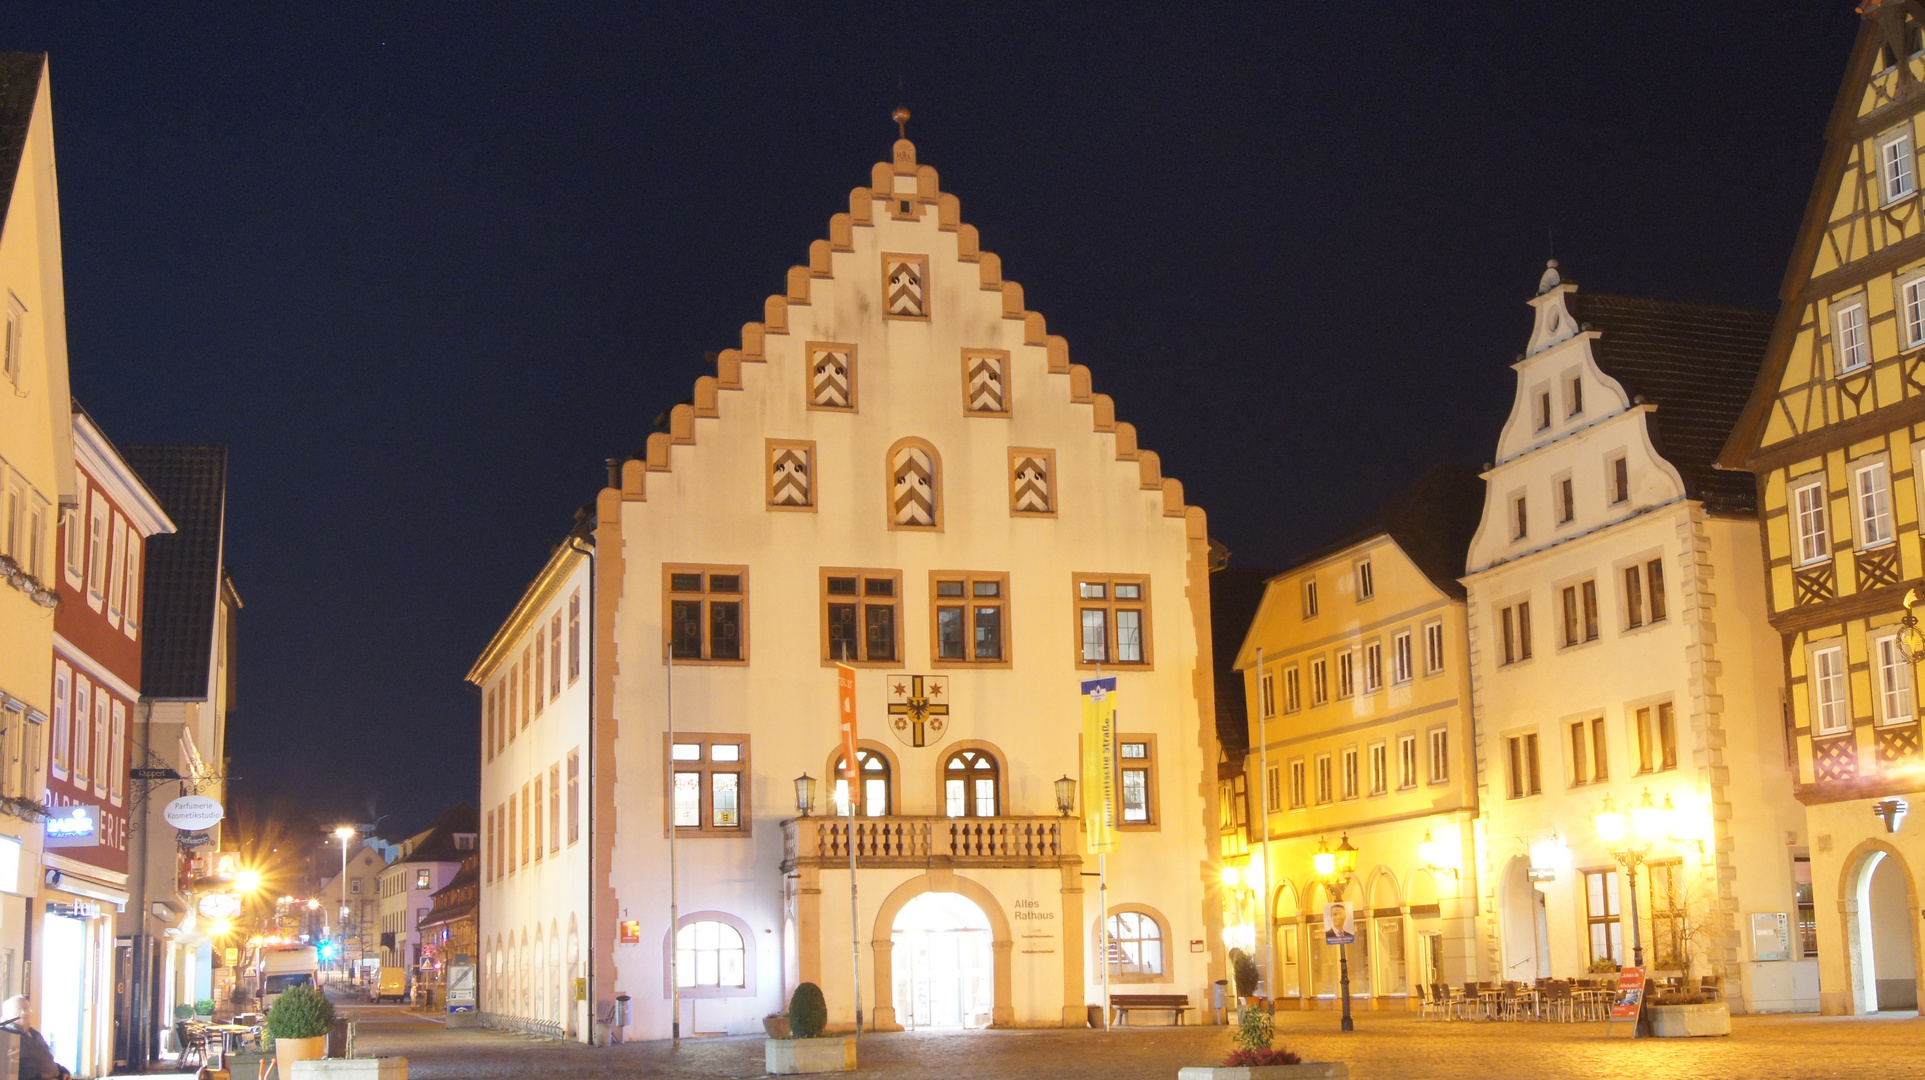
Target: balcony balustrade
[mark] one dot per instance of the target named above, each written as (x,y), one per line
(919,841)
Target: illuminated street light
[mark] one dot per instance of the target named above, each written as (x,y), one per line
(247,881)
(1335,867)
(1629,837)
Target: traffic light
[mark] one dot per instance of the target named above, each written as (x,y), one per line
(327,950)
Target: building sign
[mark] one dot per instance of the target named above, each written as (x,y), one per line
(193,812)
(631,931)
(1036,927)
(73,826)
(220,906)
(919,708)
(194,839)
(1099,764)
(461,988)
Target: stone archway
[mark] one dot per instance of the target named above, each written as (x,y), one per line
(882,945)
(1877,896)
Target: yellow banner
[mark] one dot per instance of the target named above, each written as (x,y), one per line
(1100,793)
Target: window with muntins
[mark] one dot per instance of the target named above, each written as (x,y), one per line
(1912,311)
(1829,698)
(1323,778)
(971,780)
(1580,613)
(1514,626)
(1895,167)
(1871,490)
(1849,344)
(1347,673)
(1298,794)
(1808,511)
(574,636)
(1433,647)
(1657,733)
(1114,621)
(875,785)
(710,955)
(1136,944)
(1589,758)
(1525,777)
(1292,692)
(1379,768)
(971,613)
(1601,917)
(708,792)
(1400,658)
(1366,581)
(1310,598)
(1620,473)
(1439,755)
(1406,761)
(1894,674)
(1347,771)
(1319,681)
(707,613)
(574,796)
(1373,667)
(861,612)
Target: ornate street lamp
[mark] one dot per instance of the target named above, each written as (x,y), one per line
(804,794)
(1066,796)
(1629,838)
(1335,868)
(1432,854)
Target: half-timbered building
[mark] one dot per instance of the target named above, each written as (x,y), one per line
(1834,432)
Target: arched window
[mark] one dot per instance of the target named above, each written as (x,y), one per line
(710,955)
(874,791)
(1136,944)
(970,779)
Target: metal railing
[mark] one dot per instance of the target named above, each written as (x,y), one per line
(522,1025)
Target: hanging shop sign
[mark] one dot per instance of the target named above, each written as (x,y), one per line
(219,905)
(73,826)
(192,812)
(194,839)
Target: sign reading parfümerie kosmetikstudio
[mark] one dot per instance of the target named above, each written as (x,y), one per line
(191,813)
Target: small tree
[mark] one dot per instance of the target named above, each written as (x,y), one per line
(1252,1040)
(303,1012)
(1245,970)
(808,1013)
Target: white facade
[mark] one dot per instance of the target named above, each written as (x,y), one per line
(898,440)
(535,760)
(1647,649)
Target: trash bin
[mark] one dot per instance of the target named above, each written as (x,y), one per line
(1096,1017)
(1217,994)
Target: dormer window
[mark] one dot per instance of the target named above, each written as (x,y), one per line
(1620,480)
(1896,175)
(1848,341)
(1520,519)
(1576,395)
(1543,410)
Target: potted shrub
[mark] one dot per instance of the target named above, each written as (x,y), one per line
(298,1026)
(1684,1015)
(204,1008)
(805,1050)
(1606,966)
(776,1025)
(1253,1058)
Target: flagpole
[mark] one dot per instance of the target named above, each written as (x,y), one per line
(1263,799)
(674,909)
(850,776)
(1103,881)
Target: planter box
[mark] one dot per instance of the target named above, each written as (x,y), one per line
(351,1069)
(1308,1070)
(1684,1021)
(833,1054)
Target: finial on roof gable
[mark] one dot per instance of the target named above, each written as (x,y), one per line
(1550,280)
(901,117)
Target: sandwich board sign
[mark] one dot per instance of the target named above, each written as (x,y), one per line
(1339,928)
(1628,1002)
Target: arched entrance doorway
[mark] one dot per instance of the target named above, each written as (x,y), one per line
(944,964)
(1525,924)
(1883,949)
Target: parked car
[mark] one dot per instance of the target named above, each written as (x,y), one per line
(391,986)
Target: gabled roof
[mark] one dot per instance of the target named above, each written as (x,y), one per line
(1432,521)
(183,579)
(1697,363)
(19,89)
(438,842)
(1235,594)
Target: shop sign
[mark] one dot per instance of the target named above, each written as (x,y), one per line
(194,839)
(220,906)
(78,909)
(190,812)
(73,826)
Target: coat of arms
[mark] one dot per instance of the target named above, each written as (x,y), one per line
(919,708)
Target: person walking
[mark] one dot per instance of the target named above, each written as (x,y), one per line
(36,1057)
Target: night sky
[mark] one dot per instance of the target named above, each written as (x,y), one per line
(423,271)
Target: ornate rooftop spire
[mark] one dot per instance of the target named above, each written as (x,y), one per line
(1550,280)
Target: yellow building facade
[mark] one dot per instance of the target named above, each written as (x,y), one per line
(36,470)
(1834,432)
(1356,670)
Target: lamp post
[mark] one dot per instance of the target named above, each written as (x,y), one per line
(1335,868)
(1065,796)
(804,794)
(1629,837)
(344,833)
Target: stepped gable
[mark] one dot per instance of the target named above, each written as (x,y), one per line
(1697,363)
(901,188)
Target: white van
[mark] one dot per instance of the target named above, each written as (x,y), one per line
(282,966)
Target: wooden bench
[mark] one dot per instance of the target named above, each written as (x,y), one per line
(1121,1004)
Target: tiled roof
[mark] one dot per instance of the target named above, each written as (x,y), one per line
(1234,596)
(439,843)
(183,569)
(1432,521)
(19,87)
(1697,364)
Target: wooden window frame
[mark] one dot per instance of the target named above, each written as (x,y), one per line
(1326,780)
(1819,724)
(1319,681)
(970,603)
(1309,595)
(1299,783)
(1819,514)
(892,768)
(1346,674)
(1524,765)
(1520,517)
(1379,768)
(1373,666)
(862,601)
(539,680)
(1366,580)
(706,767)
(1654,736)
(1350,777)
(1152,791)
(574,636)
(1861,494)
(554,808)
(1001,779)
(1566,499)
(670,595)
(1292,689)
(1885,659)
(1409,766)
(1436,648)
(1617,474)
(1109,603)
(1433,757)
(1861,326)
(1611,919)
(1403,659)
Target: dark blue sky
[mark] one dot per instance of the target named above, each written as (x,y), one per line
(422,270)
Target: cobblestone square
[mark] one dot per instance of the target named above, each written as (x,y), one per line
(1384,1047)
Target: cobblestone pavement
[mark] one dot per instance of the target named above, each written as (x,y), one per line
(1384,1047)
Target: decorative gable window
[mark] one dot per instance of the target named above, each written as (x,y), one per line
(1896,175)
(1543,410)
(1366,581)
(1848,341)
(1808,512)
(1575,395)
(1520,518)
(1310,598)
(1871,491)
